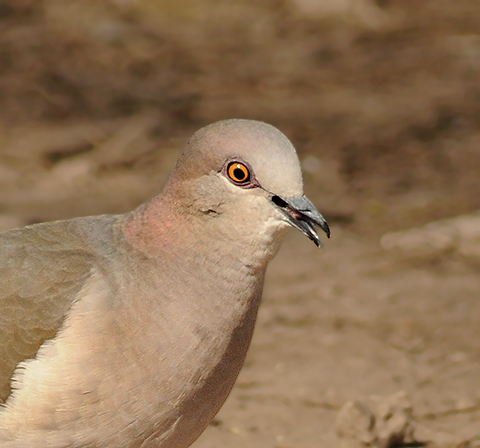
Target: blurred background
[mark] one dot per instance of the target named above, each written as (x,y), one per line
(381,99)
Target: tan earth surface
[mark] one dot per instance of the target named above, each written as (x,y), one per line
(381,99)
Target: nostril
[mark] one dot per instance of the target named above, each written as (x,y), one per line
(277,200)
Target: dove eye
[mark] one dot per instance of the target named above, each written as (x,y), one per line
(238,172)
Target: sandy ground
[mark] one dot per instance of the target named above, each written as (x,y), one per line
(380,99)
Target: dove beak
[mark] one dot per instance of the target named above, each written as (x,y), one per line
(302,214)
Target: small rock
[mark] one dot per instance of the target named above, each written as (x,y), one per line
(376,422)
(354,425)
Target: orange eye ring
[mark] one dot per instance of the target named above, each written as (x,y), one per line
(238,172)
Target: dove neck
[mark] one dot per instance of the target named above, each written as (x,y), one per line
(185,262)
(161,228)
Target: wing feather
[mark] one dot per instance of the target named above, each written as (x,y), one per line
(42,268)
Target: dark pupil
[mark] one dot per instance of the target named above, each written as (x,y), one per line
(239,174)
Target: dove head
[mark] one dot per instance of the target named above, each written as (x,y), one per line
(269,157)
(237,184)
(243,178)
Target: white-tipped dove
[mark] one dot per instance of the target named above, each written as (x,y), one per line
(130,330)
